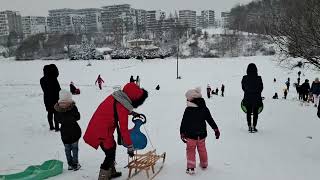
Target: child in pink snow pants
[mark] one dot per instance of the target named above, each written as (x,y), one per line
(193,130)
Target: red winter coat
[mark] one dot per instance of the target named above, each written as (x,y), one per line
(102,124)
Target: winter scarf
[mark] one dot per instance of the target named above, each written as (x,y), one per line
(123,98)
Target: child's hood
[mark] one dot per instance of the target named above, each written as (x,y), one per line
(64,106)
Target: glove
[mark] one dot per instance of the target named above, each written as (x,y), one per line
(183,138)
(217,133)
(130,151)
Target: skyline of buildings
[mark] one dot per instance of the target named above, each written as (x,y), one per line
(112,20)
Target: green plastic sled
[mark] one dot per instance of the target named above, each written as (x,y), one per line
(47,169)
(244,109)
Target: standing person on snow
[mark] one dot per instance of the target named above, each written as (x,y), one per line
(67,116)
(193,129)
(115,108)
(99,81)
(315,89)
(131,79)
(208,91)
(288,83)
(50,87)
(252,86)
(222,90)
(305,89)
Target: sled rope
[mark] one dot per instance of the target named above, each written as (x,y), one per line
(145,129)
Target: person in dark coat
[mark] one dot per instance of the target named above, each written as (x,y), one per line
(252,86)
(73,89)
(193,129)
(222,90)
(285,93)
(50,87)
(208,91)
(275,96)
(131,79)
(288,83)
(315,90)
(68,115)
(114,110)
(305,89)
(158,87)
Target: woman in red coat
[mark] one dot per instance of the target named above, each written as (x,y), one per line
(104,122)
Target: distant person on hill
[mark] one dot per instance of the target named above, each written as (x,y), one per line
(274,80)
(193,129)
(67,116)
(138,81)
(73,89)
(288,84)
(222,90)
(208,91)
(299,74)
(285,93)
(158,87)
(298,81)
(99,81)
(252,86)
(131,79)
(304,89)
(50,87)
(275,96)
(315,90)
(217,91)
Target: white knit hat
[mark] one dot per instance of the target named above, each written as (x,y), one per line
(193,93)
(65,95)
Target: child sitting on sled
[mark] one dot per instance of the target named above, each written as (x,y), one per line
(193,129)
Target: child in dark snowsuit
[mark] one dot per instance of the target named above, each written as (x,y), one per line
(73,89)
(193,129)
(67,116)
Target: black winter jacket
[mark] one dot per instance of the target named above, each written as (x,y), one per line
(252,86)
(305,88)
(68,117)
(193,124)
(50,86)
(315,88)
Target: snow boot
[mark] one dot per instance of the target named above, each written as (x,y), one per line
(76,167)
(70,167)
(250,129)
(190,171)
(104,174)
(114,173)
(255,129)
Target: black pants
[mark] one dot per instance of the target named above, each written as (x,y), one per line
(209,94)
(305,97)
(51,117)
(109,159)
(252,110)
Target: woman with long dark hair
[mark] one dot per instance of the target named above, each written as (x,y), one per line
(252,86)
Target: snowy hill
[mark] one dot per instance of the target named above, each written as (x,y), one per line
(285,148)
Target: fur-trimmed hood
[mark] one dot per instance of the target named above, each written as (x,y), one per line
(64,106)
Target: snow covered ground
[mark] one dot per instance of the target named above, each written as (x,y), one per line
(287,146)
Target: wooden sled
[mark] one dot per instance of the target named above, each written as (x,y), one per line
(145,162)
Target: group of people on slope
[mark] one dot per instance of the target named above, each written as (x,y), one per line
(61,110)
(113,113)
(211,91)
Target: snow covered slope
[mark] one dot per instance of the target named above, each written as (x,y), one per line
(285,148)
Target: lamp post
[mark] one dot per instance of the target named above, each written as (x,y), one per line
(178,49)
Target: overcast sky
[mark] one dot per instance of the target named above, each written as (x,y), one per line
(41,7)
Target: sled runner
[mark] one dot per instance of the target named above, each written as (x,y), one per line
(147,161)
